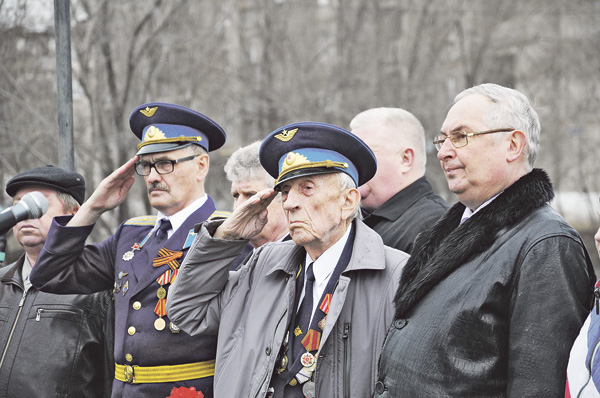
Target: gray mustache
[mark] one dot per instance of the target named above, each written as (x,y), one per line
(157,185)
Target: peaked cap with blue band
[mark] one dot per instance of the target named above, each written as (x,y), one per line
(166,127)
(309,148)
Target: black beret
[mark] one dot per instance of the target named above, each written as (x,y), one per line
(50,177)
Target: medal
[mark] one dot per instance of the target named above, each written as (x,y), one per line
(305,374)
(311,340)
(160,324)
(282,359)
(161,293)
(174,328)
(283,362)
(129,255)
(121,274)
(321,323)
(125,287)
(307,359)
(308,389)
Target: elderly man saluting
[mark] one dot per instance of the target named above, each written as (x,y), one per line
(305,317)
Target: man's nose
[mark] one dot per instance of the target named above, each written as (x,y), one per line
(447,150)
(153,176)
(291,201)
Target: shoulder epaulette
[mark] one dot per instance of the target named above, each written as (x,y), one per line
(142,221)
(219,214)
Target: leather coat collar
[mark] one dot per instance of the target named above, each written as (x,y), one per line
(447,245)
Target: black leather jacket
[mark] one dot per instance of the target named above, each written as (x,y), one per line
(53,345)
(489,308)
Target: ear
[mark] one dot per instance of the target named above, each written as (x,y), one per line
(202,163)
(516,147)
(407,159)
(351,202)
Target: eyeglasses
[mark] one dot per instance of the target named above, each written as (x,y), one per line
(163,166)
(460,138)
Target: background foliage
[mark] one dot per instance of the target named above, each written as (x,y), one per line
(255,65)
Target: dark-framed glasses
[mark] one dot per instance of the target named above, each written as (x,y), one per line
(461,138)
(163,166)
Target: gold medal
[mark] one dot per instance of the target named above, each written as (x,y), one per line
(160,324)
(174,328)
(161,293)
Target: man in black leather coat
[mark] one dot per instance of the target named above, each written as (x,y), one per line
(495,293)
(52,344)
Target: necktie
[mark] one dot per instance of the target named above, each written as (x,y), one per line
(305,312)
(163,228)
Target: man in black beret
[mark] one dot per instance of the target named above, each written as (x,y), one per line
(301,318)
(52,344)
(141,259)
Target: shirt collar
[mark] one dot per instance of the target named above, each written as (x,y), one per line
(179,218)
(25,271)
(325,264)
(468,212)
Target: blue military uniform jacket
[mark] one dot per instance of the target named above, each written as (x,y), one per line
(135,280)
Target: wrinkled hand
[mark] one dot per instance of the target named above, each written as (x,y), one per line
(111,192)
(248,219)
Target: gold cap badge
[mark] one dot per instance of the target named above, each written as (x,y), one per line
(285,136)
(154,133)
(149,112)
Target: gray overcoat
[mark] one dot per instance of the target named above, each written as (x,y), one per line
(250,309)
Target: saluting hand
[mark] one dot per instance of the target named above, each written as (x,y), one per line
(248,219)
(111,192)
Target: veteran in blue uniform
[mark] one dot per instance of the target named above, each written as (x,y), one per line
(142,258)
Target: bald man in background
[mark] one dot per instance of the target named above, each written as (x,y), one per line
(398,202)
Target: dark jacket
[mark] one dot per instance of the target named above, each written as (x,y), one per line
(405,215)
(490,308)
(53,345)
(67,264)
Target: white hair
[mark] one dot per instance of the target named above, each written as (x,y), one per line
(346,182)
(244,165)
(512,109)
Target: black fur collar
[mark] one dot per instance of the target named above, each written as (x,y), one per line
(447,245)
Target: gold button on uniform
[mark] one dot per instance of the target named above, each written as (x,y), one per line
(128,357)
(131,330)
(137,305)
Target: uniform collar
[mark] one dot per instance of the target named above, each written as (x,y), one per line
(179,218)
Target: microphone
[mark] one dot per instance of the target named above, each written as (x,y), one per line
(32,205)
(2,249)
